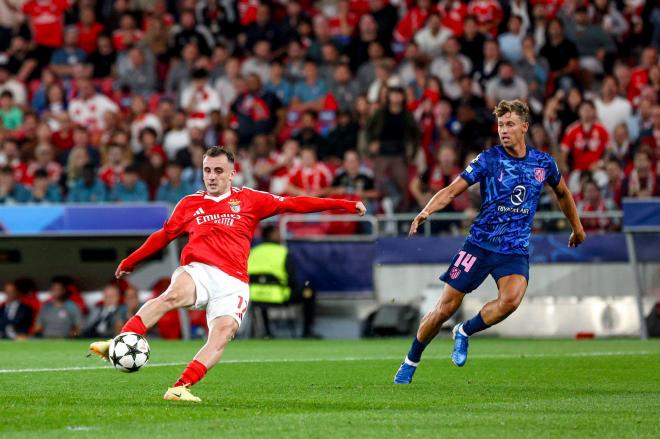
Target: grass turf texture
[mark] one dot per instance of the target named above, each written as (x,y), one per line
(509,388)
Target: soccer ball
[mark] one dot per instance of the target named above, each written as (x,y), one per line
(129,352)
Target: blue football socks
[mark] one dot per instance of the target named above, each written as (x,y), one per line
(415,353)
(474,325)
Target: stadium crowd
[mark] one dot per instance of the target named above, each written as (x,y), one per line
(115,101)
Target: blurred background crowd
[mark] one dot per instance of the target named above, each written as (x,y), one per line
(116,101)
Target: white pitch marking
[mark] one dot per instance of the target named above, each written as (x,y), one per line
(320,360)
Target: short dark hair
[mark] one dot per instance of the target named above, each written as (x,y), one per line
(216,151)
(516,106)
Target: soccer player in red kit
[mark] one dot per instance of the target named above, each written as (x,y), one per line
(213,275)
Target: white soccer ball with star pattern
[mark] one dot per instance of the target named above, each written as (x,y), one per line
(129,352)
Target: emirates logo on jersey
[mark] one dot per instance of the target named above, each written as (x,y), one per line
(235,205)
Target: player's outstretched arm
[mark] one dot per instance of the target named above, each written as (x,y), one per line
(439,201)
(314,204)
(155,242)
(567,205)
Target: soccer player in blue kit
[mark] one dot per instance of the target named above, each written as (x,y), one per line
(512,176)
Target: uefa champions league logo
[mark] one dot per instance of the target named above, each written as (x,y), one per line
(518,195)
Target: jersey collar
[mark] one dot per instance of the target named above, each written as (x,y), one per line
(219,197)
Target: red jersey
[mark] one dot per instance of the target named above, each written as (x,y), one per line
(47,20)
(453,17)
(586,147)
(87,37)
(487,12)
(220,229)
(311,180)
(639,77)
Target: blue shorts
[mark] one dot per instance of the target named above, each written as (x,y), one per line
(472,264)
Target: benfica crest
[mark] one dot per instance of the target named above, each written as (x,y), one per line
(454,272)
(539,174)
(235,205)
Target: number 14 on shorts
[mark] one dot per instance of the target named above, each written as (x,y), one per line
(466,260)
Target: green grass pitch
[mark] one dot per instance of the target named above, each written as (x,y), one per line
(308,389)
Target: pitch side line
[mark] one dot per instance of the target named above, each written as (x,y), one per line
(320,360)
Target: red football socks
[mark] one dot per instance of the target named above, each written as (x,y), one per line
(135,324)
(194,372)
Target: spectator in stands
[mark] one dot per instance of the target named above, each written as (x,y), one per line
(650,137)
(432,36)
(620,146)
(143,118)
(11,115)
(393,136)
(47,25)
(189,30)
(442,66)
(386,16)
(44,158)
(595,47)
(263,28)
(88,188)
(641,119)
(88,30)
(89,108)
(272,171)
(278,84)
(472,41)
(343,87)
(311,177)
(562,55)
(103,59)
(179,74)
(107,317)
(131,189)
(127,35)
(612,110)
(114,163)
(511,42)
(613,191)
(230,84)
(585,143)
(436,177)
(256,110)
(310,93)
(69,57)
(342,138)
(15,317)
(198,99)
(505,86)
(534,70)
(490,64)
(59,317)
(488,14)
(591,200)
(43,190)
(308,135)
(259,62)
(355,180)
(10,191)
(137,71)
(10,83)
(177,138)
(174,188)
(642,181)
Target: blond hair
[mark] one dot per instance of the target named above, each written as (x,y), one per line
(516,106)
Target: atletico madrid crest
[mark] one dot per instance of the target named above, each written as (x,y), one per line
(539,174)
(235,205)
(454,272)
